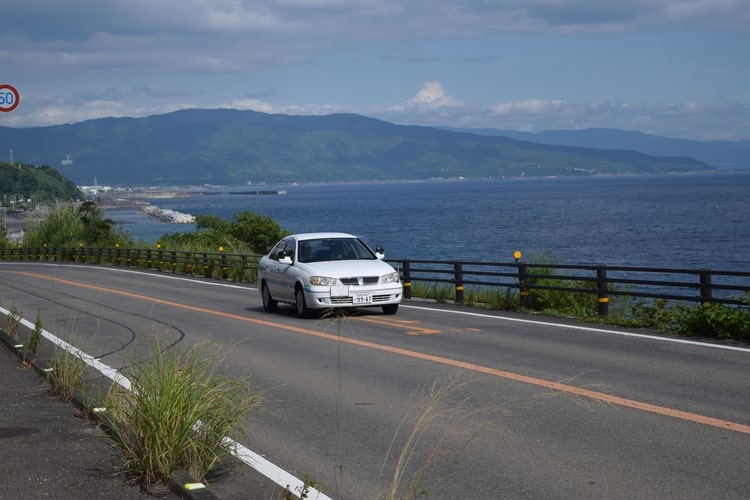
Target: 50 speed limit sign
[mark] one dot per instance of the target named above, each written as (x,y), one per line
(9,98)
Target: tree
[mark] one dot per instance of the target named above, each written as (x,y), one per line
(96,229)
(258,231)
(212,221)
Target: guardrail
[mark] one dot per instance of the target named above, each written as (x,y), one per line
(691,285)
(241,267)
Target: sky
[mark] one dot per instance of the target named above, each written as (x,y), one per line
(677,68)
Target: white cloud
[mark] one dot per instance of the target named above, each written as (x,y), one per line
(528,106)
(431,96)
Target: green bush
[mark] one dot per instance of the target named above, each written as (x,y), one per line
(68,225)
(558,302)
(714,320)
(246,233)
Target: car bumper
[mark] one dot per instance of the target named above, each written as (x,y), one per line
(328,297)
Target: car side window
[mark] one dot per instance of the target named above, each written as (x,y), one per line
(286,251)
(278,251)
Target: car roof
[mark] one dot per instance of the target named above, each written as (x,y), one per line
(315,236)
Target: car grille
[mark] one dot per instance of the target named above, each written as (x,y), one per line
(355,281)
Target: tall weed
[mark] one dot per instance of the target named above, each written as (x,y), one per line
(435,431)
(66,377)
(178,413)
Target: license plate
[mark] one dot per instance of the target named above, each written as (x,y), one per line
(339,291)
(361,298)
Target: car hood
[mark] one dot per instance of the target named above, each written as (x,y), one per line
(347,268)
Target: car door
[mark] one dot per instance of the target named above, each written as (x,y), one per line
(280,278)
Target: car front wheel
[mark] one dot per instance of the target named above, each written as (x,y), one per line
(390,308)
(299,301)
(269,305)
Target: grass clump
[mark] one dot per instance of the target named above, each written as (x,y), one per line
(177,414)
(440,292)
(67,374)
(36,335)
(12,321)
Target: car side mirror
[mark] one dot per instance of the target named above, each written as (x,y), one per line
(285,260)
(380,253)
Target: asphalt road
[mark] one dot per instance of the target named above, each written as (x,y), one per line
(523,407)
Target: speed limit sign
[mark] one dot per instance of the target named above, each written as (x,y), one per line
(9,98)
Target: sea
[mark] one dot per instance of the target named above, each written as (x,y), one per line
(691,221)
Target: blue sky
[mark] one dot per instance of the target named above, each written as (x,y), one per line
(678,68)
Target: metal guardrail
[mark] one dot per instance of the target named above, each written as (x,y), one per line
(209,264)
(691,285)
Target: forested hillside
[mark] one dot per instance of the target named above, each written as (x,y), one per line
(19,183)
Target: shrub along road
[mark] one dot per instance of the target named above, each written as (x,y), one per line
(488,404)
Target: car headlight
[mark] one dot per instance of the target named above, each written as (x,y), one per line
(389,278)
(323,281)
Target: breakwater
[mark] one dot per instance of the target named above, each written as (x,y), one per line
(167,215)
(263,192)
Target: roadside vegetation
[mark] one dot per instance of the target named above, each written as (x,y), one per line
(247,232)
(74,225)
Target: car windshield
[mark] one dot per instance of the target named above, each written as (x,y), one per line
(327,249)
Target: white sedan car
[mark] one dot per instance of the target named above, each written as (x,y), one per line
(316,271)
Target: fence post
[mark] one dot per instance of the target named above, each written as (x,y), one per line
(705,278)
(601,287)
(224,265)
(458,274)
(406,270)
(522,286)
(206,272)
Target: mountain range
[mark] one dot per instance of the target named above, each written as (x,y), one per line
(233,147)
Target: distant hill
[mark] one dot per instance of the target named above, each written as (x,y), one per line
(19,183)
(717,154)
(232,147)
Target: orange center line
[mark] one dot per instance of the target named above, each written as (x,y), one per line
(556,386)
